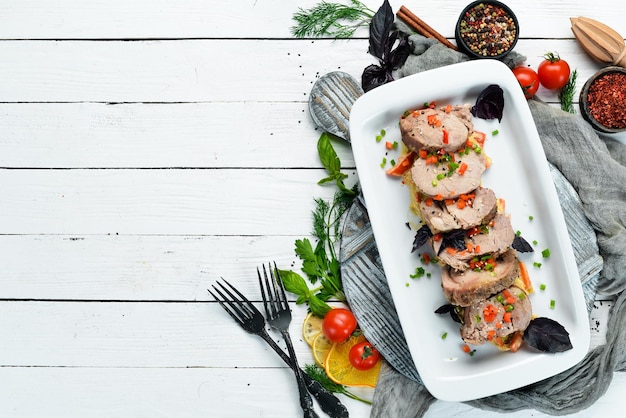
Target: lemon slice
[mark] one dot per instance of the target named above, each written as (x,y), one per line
(311,327)
(320,347)
(339,369)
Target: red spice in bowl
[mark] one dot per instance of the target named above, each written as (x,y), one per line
(487,29)
(603,100)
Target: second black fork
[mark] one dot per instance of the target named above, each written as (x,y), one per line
(279,316)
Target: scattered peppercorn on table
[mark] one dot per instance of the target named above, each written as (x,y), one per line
(149,149)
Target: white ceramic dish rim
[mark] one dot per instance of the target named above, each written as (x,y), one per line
(520,174)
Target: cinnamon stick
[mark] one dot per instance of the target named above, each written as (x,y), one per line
(422,27)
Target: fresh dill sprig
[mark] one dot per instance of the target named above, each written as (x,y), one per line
(317,373)
(566,95)
(331,19)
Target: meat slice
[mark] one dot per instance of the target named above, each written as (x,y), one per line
(440,181)
(436,215)
(474,209)
(467,287)
(497,317)
(495,238)
(469,210)
(435,129)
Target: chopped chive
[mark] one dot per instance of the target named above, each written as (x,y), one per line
(393,163)
(383,163)
(444,335)
(518,233)
(535,242)
(536,264)
(434,183)
(542,286)
(545,253)
(495,132)
(552,303)
(419,272)
(531,217)
(379,138)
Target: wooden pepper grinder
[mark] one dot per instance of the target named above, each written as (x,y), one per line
(599,41)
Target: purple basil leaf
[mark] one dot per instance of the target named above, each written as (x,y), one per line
(547,335)
(374,76)
(398,56)
(453,239)
(489,103)
(391,39)
(451,309)
(380,26)
(521,245)
(421,237)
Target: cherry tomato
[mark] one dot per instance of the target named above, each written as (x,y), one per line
(528,79)
(338,325)
(553,72)
(363,356)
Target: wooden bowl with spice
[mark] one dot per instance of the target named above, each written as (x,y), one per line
(487,29)
(603,100)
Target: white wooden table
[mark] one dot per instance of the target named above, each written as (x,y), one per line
(149,147)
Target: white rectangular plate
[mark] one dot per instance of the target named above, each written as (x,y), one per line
(520,175)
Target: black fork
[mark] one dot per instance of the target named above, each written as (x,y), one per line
(279,317)
(252,321)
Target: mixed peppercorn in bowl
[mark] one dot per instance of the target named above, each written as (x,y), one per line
(487,29)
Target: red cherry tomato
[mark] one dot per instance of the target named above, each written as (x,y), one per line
(363,356)
(528,79)
(338,325)
(553,72)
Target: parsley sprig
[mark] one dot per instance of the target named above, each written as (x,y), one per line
(319,262)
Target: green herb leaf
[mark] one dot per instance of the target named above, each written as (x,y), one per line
(331,19)
(566,95)
(317,373)
(330,161)
(318,307)
(304,250)
(294,283)
(327,154)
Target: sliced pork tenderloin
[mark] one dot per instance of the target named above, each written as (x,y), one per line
(495,238)
(469,210)
(467,287)
(446,179)
(435,129)
(497,317)
(473,209)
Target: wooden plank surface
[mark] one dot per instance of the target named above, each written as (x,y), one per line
(185,71)
(148,148)
(150,19)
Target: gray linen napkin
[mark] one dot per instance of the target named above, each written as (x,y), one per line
(596,169)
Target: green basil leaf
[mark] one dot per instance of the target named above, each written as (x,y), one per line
(327,155)
(328,179)
(294,283)
(318,307)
